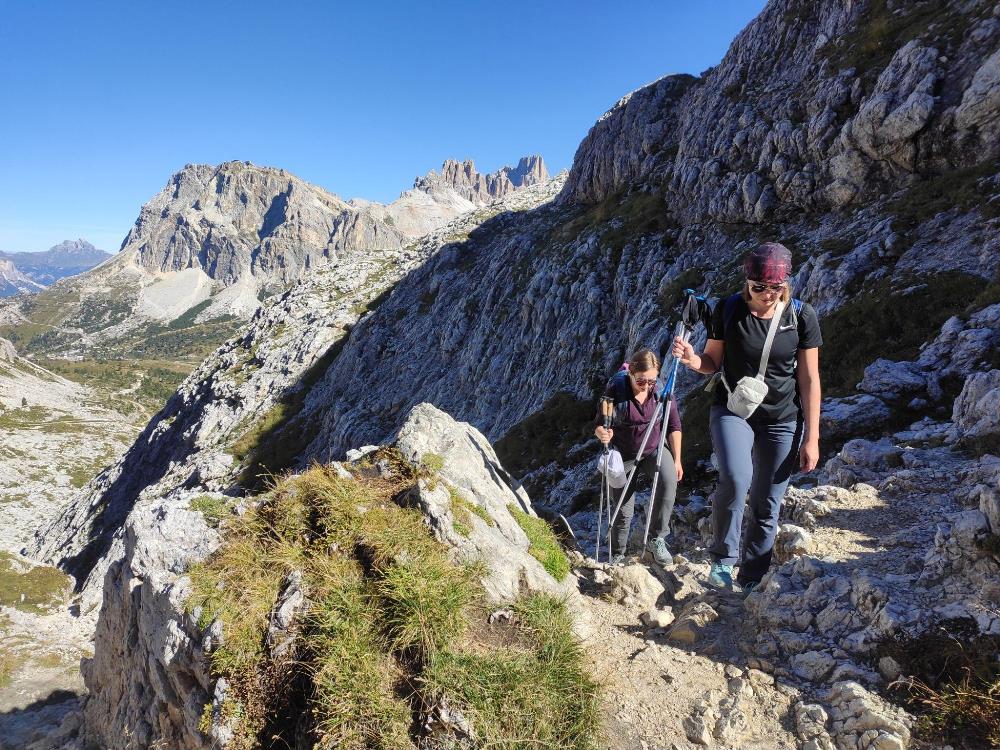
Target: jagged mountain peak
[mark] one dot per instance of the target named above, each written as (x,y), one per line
(479,188)
(74,247)
(239,221)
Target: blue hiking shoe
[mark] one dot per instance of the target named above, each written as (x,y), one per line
(617,560)
(720,576)
(749,587)
(661,554)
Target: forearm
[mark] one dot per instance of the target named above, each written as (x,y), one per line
(674,441)
(703,364)
(811,399)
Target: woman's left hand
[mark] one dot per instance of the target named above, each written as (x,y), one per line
(680,470)
(809,455)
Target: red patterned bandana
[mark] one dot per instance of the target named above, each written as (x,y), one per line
(770,263)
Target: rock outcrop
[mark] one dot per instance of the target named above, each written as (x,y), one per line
(479,188)
(12,281)
(150,680)
(436,199)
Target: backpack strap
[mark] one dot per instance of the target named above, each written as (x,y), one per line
(728,311)
(796,308)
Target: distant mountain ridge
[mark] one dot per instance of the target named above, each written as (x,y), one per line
(32,271)
(219,239)
(437,198)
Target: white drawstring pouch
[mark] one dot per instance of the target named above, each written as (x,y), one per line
(750,392)
(611,464)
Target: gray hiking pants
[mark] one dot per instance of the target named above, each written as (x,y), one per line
(758,458)
(663,505)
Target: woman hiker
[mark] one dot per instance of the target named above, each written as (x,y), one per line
(760,452)
(635,404)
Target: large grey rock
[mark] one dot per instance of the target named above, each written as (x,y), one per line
(892,379)
(810,727)
(792,541)
(899,107)
(692,622)
(634,586)
(149,679)
(980,106)
(852,415)
(471,467)
(976,412)
(860,719)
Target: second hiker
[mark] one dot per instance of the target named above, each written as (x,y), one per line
(635,405)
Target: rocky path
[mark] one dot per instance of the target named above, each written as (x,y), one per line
(883,538)
(679,682)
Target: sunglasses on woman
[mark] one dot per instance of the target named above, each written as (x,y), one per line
(643,382)
(757,288)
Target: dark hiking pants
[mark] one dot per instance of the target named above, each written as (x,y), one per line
(754,458)
(663,506)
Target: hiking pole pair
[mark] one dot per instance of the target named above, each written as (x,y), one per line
(694,305)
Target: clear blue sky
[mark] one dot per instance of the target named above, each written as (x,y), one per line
(100,102)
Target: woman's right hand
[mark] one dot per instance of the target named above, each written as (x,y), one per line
(604,435)
(683,351)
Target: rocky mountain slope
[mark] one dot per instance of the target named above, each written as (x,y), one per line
(57,436)
(222,422)
(217,240)
(863,136)
(68,258)
(13,281)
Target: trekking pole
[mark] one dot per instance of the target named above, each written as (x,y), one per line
(694,307)
(607,412)
(666,397)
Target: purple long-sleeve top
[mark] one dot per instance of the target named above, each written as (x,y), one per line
(632,419)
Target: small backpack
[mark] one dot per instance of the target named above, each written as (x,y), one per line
(621,393)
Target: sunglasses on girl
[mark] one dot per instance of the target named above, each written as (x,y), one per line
(757,288)
(643,382)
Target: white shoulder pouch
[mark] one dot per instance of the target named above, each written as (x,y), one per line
(750,392)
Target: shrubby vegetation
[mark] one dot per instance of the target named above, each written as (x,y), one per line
(392,627)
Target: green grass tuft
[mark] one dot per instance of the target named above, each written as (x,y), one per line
(385,604)
(432,461)
(215,509)
(534,694)
(462,509)
(543,544)
(35,589)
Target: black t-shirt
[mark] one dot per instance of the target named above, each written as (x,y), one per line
(744,342)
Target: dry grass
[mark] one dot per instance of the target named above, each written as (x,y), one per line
(385,632)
